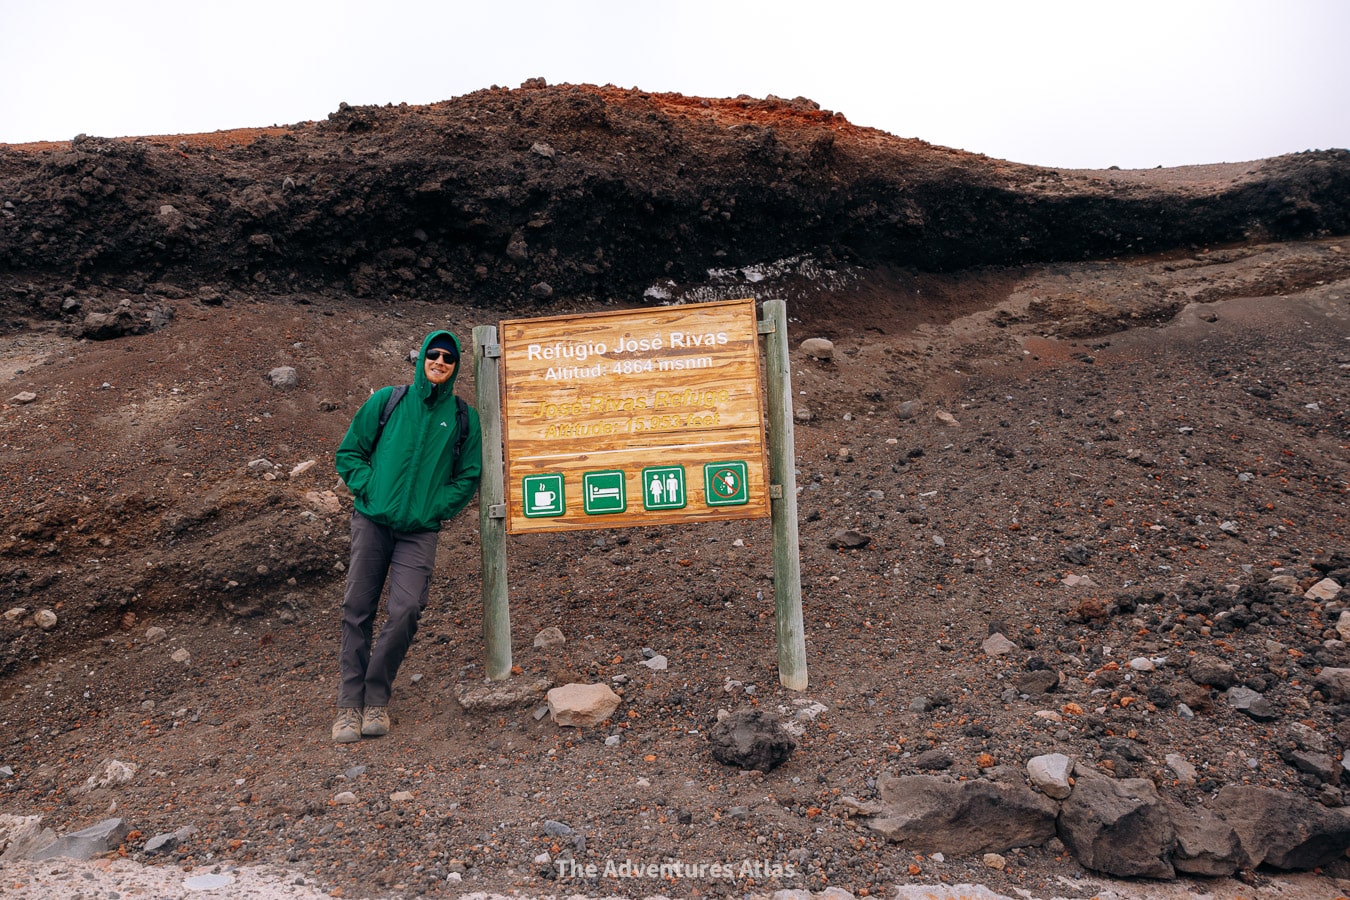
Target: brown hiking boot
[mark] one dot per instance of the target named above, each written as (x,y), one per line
(375,721)
(347,728)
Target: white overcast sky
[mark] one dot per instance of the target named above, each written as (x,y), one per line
(1079,83)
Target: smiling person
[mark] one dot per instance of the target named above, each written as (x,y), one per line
(411,458)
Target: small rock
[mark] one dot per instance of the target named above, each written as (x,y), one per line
(181,655)
(14,613)
(997,645)
(849,539)
(324,501)
(582,705)
(1184,771)
(751,739)
(946,418)
(284,377)
(401,797)
(549,637)
(1326,589)
(1050,774)
(1142,664)
(1246,700)
(303,468)
(994,861)
(23,398)
(45,619)
(909,409)
(539,148)
(154,634)
(345,798)
(818,348)
(657,663)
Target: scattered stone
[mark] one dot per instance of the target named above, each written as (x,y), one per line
(539,148)
(492,696)
(946,418)
(325,502)
(1184,771)
(181,655)
(909,409)
(1142,664)
(849,539)
(997,645)
(1334,683)
(154,634)
(1119,827)
(1206,843)
(934,761)
(817,348)
(1284,830)
(582,705)
(1210,670)
(1041,681)
(751,739)
(1050,773)
(657,663)
(22,836)
(1078,581)
(260,467)
(113,773)
(541,290)
(994,861)
(23,398)
(344,798)
(1320,765)
(928,814)
(303,467)
(284,377)
(14,613)
(548,638)
(1253,703)
(1306,738)
(44,619)
(86,843)
(161,843)
(1326,589)
(401,797)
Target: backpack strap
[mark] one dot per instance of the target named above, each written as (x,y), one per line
(462,422)
(395,396)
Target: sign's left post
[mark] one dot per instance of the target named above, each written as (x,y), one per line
(492,503)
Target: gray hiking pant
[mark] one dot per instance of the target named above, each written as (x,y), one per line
(406,559)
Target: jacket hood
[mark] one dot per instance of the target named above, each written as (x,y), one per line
(421,384)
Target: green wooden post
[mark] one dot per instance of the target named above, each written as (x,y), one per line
(492,504)
(787,567)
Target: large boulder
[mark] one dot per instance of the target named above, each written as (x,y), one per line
(1119,827)
(928,814)
(1207,844)
(1284,830)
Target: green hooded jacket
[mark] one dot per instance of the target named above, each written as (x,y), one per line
(410,483)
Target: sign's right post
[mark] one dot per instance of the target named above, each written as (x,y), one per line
(787,569)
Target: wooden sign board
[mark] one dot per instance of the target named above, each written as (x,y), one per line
(627,418)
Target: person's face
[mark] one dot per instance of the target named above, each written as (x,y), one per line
(438,366)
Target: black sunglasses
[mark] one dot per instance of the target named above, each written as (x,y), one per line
(445,356)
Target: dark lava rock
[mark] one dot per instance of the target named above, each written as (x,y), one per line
(751,739)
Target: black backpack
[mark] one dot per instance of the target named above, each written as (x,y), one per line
(461,420)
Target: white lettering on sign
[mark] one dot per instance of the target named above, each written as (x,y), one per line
(579,352)
(690,339)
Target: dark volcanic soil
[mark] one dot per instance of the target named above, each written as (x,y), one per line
(1172,425)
